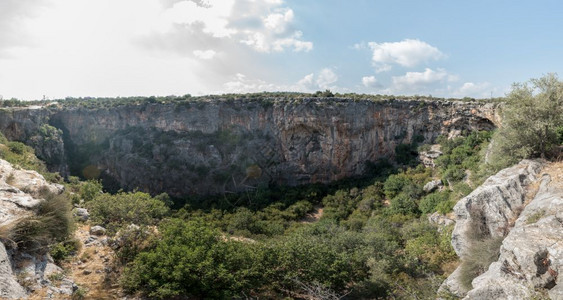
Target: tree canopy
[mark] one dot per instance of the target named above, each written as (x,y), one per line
(532,119)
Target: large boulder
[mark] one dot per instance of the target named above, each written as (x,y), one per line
(432,185)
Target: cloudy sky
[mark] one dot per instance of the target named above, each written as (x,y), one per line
(60,48)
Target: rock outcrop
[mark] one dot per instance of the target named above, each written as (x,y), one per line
(531,254)
(212,146)
(489,212)
(20,192)
(493,205)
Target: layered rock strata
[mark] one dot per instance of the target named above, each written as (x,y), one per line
(213,146)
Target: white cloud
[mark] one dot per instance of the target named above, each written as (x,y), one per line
(413,79)
(470,89)
(326,78)
(264,26)
(293,42)
(241,84)
(214,16)
(427,82)
(204,54)
(407,53)
(370,81)
(278,22)
(307,82)
(60,48)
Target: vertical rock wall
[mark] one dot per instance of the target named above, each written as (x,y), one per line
(213,146)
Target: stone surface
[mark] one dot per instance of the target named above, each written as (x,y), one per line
(81,213)
(432,185)
(492,207)
(9,287)
(427,157)
(494,204)
(218,145)
(20,192)
(97,230)
(531,255)
(440,219)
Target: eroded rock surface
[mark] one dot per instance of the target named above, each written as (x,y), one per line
(491,209)
(212,146)
(531,255)
(9,287)
(494,204)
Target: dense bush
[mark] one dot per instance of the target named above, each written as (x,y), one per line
(531,118)
(192,259)
(430,203)
(90,189)
(114,211)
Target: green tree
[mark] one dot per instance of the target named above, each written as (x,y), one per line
(531,116)
(192,259)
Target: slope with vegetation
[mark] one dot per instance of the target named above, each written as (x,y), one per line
(377,236)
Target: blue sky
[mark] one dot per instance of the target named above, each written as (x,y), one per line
(60,48)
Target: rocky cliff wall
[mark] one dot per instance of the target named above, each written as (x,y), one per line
(215,146)
(521,206)
(531,255)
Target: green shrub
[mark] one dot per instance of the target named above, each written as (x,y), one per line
(445,206)
(17,147)
(192,259)
(114,211)
(298,210)
(404,204)
(429,203)
(62,250)
(531,117)
(90,189)
(453,173)
(394,185)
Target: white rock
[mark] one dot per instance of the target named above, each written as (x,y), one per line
(97,230)
(432,185)
(491,206)
(82,213)
(9,287)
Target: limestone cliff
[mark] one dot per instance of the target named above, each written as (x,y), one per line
(210,146)
(531,254)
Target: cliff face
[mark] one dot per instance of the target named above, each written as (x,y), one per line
(530,257)
(215,146)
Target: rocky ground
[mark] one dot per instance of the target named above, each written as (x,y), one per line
(20,272)
(88,274)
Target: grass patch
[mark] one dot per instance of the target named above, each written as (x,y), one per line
(535,217)
(52,223)
(480,255)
